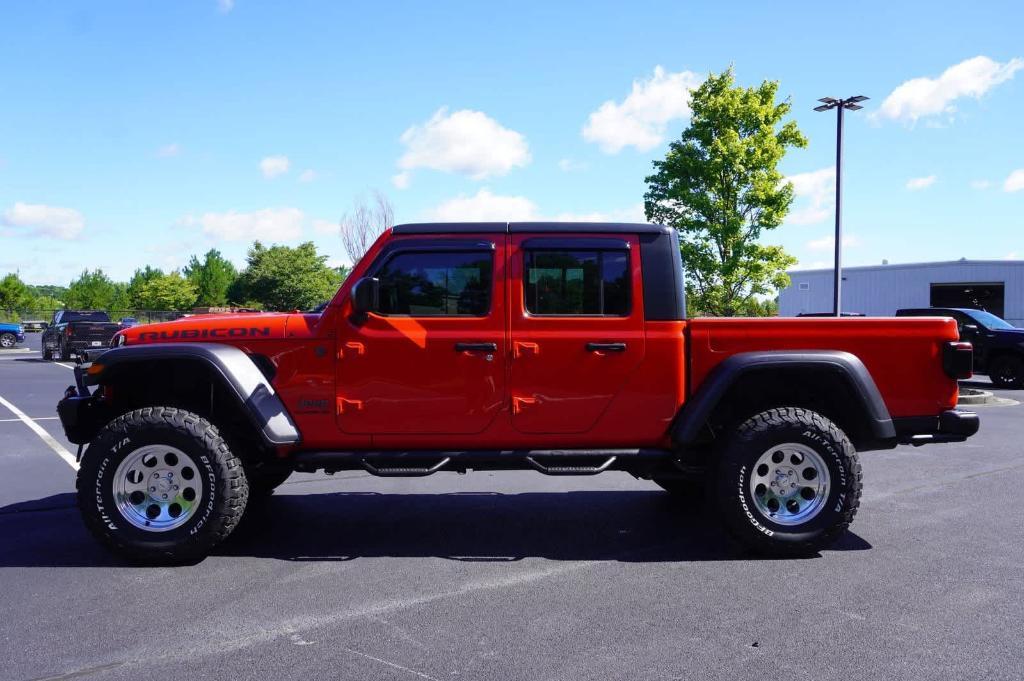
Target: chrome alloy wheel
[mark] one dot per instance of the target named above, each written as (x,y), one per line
(7,340)
(789,484)
(157,488)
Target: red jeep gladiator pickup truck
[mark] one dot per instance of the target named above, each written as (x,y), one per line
(560,348)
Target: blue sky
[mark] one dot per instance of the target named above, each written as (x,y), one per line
(139,133)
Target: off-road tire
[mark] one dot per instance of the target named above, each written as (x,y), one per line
(8,340)
(1007,371)
(263,481)
(224,492)
(760,434)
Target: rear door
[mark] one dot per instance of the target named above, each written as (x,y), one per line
(576,327)
(432,360)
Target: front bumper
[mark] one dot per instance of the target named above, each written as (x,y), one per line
(951,425)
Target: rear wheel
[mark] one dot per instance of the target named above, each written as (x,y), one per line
(65,354)
(47,353)
(159,485)
(1007,371)
(7,340)
(789,482)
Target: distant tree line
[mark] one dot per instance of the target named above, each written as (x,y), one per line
(274,278)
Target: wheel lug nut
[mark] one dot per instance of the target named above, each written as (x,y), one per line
(152,489)
(175,487)
(165,496)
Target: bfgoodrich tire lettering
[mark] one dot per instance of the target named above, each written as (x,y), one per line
(747,517)
(223,496)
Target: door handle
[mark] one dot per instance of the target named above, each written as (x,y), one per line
(606,347)
(476,347)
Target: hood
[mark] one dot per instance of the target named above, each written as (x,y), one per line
(220,328)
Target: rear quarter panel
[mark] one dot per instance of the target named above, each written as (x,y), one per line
(903,355)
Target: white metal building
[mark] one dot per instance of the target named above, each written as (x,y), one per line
(880,290)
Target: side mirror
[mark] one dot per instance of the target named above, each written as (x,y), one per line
(969,328)
(366,295)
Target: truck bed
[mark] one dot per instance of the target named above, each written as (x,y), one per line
(903,355)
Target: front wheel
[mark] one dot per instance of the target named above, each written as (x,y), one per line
(1007,371)
(7,340)
(789,482)
(159,485)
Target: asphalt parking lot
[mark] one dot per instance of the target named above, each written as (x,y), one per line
(517,575)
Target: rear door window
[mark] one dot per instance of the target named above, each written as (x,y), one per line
(577,282)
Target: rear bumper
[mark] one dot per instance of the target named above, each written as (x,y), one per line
(952,425)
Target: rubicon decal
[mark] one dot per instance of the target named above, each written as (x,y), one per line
(229,332)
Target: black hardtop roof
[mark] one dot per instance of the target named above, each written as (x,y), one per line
(529,227)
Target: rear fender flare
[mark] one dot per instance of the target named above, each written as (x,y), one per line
(240,375)
(695,414)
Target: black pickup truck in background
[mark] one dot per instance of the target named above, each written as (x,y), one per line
(72,331)
(998,345)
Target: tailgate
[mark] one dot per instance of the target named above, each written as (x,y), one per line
(904,355)
(93,331)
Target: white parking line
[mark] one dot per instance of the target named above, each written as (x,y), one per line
(38,418)
(57,447)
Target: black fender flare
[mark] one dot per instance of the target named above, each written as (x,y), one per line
(694,414)
(240,375)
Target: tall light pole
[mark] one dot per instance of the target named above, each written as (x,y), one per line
(850,103)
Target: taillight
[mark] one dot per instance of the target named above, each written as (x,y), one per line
(67,330)
(958,359)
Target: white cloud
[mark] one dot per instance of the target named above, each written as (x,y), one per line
(921,97)
(827,243)
(465,142)
(642,118)
(486,206)
(42,220)
(980,184)
(269,224)
(1015,181)
(169,150)
(401,180)
(326,227)
(225,6)
(567,165)
(307,175)
(815,193)
(272,166)
(1012,255)
(917,183)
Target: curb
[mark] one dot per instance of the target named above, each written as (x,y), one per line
(973,396)
(14,351)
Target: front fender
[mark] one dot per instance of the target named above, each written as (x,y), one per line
(238,372)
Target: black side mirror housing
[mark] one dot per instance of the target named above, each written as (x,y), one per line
(366,295)
(970,328)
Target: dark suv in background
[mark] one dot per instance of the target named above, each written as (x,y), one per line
(998,345)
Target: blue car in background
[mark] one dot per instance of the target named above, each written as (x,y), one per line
(11,335)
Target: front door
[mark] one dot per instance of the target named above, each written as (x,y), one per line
(576,327)
(432,359)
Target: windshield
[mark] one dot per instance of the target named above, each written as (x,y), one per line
(989,320)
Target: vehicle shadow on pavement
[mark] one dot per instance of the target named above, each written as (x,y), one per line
(626,526)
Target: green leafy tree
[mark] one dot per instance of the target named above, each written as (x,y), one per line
(14,294)
(58,292)
(46,304)
(93,290)
(212,277)
(284,278)
(168,292)
(720,187)
(141,277)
